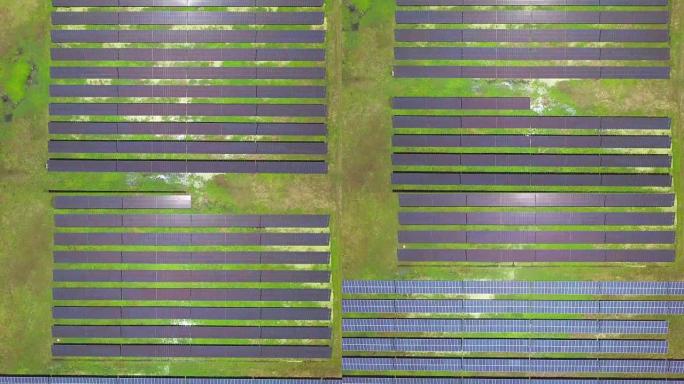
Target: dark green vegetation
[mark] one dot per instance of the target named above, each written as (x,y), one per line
(356,192)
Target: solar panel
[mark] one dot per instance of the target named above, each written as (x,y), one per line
(512,306)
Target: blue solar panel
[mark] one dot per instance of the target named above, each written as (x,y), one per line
(368,287)
(505,326)
(497,287)
(636,307)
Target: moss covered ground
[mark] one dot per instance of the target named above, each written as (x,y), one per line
(356,192)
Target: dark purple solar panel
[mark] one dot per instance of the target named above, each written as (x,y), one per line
(635,17)
(428,17)
(663,161)
(642,237)
(523,17)
(294,239)
(635,72)
(495,179)
(502,72)
(289,18)
(639,200)
(426,159)
(426,178)
(641,255)
(638,180)
(86,312)
(432,218)
(426,121)
(419,255)
(295,295)
(432,199)
(635,35)
(87,257)
(635,123)
(80,350)
(432,237)
(437,35)
(290,72)
(639,218)
(404,71)
(289,54)
(86,294)
(565,179)
(426,140)
(86,275)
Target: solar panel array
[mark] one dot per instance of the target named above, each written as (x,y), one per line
(181,87)
(511,287)
(348,379)
(483,380)
(369,364)
(145,276)
(530,42)
(451,152)
(536,227)
(373,345)
(152,380)
(450,327)
(385,331)
(499,306)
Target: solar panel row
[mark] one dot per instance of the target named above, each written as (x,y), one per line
(531,17)
(504,326)
(191,294)
(345,380)
(478,199)
(181,36)
(534,2)
(533,35)
(260,72)
(461,103)
(187,166)
(537,237)
(187,18)
(530,122)
(180,109)
(181,54)
(533,179)
(482,380)
(534,218)
(460,306)
(177,350)
(189,147)
(205,276)
(496,53)
(191,220)
(531,255)
(190,313)
(186,331)
(195,128)
(236,91)
(532,72)
(512,365)
(461,345)
(188,238)
(168,257)
(122,202)
(536,160)
(190,3)
(507,287)
(534,141)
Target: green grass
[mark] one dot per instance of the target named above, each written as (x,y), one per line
(356,192)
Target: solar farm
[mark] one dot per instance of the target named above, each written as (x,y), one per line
(341,192)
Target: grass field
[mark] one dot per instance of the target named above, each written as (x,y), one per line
(356,192)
